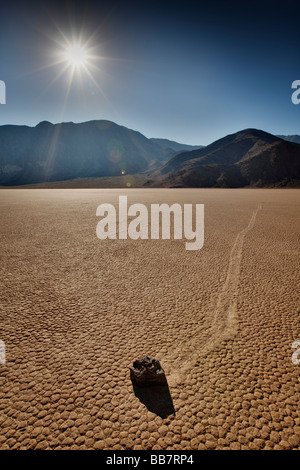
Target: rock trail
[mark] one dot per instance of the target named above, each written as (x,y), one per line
(181,359)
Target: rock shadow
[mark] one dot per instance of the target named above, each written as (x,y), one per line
(156,398)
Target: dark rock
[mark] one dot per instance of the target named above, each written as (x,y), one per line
(147,371)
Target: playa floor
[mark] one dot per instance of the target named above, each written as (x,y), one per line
(76,311)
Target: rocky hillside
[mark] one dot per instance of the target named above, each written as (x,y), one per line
(247,158)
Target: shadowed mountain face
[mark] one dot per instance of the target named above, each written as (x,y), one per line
(247,158)
(51,152)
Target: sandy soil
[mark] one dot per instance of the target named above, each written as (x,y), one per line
(76,311)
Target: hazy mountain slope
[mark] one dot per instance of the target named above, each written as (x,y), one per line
(247,158)
(291,138)
(176,146)
(171,147)
(50,152)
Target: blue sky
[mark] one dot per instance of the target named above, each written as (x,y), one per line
(188,71)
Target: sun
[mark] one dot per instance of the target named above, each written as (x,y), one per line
(78,60)
(76,55)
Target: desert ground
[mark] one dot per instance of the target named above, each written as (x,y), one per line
(76,311)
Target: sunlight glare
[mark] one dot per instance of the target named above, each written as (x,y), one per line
(76,55)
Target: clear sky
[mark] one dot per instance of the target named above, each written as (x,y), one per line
(188,71)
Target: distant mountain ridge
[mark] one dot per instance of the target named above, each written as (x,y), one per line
(170,147)
(103,149)
(51,152)
(247,158)
(290,138)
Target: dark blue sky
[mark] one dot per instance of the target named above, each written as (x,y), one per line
(189,71)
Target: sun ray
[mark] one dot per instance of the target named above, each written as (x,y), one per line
(95,82)
(69,84)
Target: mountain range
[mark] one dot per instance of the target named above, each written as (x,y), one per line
(102,149)
(51,152)
(250,157)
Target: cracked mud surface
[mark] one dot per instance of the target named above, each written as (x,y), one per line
(76,311)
